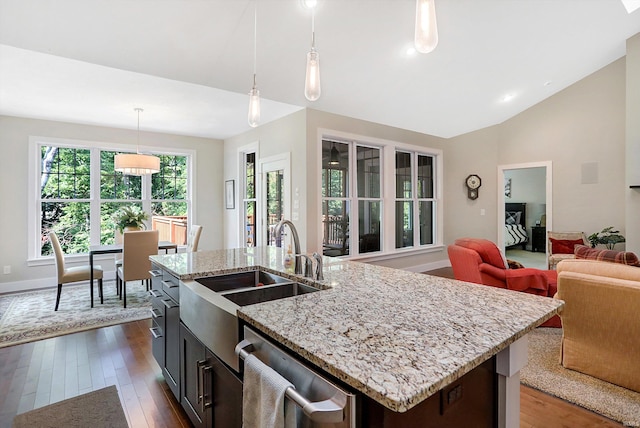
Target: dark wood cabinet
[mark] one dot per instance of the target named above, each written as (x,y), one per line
(538,239)
(211,392)
(195,379)
(165,331)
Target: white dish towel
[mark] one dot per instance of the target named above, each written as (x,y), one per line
(263,399)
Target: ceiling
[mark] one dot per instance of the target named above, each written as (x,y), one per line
(189,63)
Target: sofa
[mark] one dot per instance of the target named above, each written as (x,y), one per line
(601,325)
(481,262)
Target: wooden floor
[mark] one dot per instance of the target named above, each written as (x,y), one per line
(38,373)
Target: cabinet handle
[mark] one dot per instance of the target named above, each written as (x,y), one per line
(156,293)
(156,332)
(155,313)
(200,379)
(155,273)
(206,398)
(170,303)
(169,284)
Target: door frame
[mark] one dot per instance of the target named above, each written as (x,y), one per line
(277,162)
(548,165)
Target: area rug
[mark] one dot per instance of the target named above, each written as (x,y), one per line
(545,373)
(96,409)
(29,316)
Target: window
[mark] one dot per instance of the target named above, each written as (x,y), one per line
(65,195)
(414,194)
(78,191)
(356,207)
(249,200)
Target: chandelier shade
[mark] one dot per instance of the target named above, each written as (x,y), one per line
(137,164)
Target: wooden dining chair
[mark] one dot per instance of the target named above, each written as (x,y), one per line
(72,274)
(137,247)
(194,238)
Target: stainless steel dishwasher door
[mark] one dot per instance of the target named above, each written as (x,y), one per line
(318,402)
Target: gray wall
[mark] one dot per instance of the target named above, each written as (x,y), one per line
(14,140)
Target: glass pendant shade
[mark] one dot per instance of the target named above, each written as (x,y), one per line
(426,38)
(254,107)
(312,81)
(335,156)
(137,164)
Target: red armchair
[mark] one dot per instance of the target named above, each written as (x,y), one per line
(479,261)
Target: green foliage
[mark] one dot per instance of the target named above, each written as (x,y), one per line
(65,186)
(130,216)
(608,236)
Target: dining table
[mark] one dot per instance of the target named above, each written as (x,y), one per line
(115,249)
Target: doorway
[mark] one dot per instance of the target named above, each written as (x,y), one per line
(525,189)
(275,190)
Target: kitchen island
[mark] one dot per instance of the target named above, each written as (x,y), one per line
(395,336)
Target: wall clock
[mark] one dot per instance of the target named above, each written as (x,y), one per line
(473,183)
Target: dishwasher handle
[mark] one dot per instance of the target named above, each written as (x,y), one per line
(326,411)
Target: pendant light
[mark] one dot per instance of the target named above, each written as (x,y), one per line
(254,94)
(334,159)
(137,164)
(312,80)
(426,38)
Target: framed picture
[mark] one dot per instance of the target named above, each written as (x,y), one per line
(230,194)
(507,187)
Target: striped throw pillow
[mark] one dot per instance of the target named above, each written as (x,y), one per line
(624,257)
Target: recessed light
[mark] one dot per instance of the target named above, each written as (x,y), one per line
(547,83)
(410,51)
(309,4)
(508,98)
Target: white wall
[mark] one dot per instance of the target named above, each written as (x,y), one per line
(286,135)
(14,141)
(578,128)
(632,151)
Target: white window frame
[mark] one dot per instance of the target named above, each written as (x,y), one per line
(34,200)
(242,153)
(388,149)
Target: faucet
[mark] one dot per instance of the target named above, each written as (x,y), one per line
(296,242)
(318,258)
(308,266)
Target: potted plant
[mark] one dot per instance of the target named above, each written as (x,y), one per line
(608,236)
(130,218)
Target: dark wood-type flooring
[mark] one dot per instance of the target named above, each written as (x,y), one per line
(38,373)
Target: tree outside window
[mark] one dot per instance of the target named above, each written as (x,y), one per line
(67,199)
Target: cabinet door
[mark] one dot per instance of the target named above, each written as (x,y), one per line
(157,328)
(226,395)
(171,369)
(195,379)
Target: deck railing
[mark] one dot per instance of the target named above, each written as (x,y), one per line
(171,228)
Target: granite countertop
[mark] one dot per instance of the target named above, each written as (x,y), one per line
(393,335)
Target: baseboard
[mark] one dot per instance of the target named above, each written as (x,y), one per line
(42,283)
(425,267)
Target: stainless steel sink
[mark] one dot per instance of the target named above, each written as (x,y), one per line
(237,280)
(208,306)
(266,294)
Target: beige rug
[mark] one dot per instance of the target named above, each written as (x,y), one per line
(545,373)
(96,409)
(29,316)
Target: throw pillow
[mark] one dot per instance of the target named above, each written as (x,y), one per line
(512,217)
(624,257)
(564,246)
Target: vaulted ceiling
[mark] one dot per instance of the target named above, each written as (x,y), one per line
(189,63)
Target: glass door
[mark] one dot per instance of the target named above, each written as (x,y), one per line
(275,204)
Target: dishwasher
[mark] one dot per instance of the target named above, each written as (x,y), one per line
(318,402)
